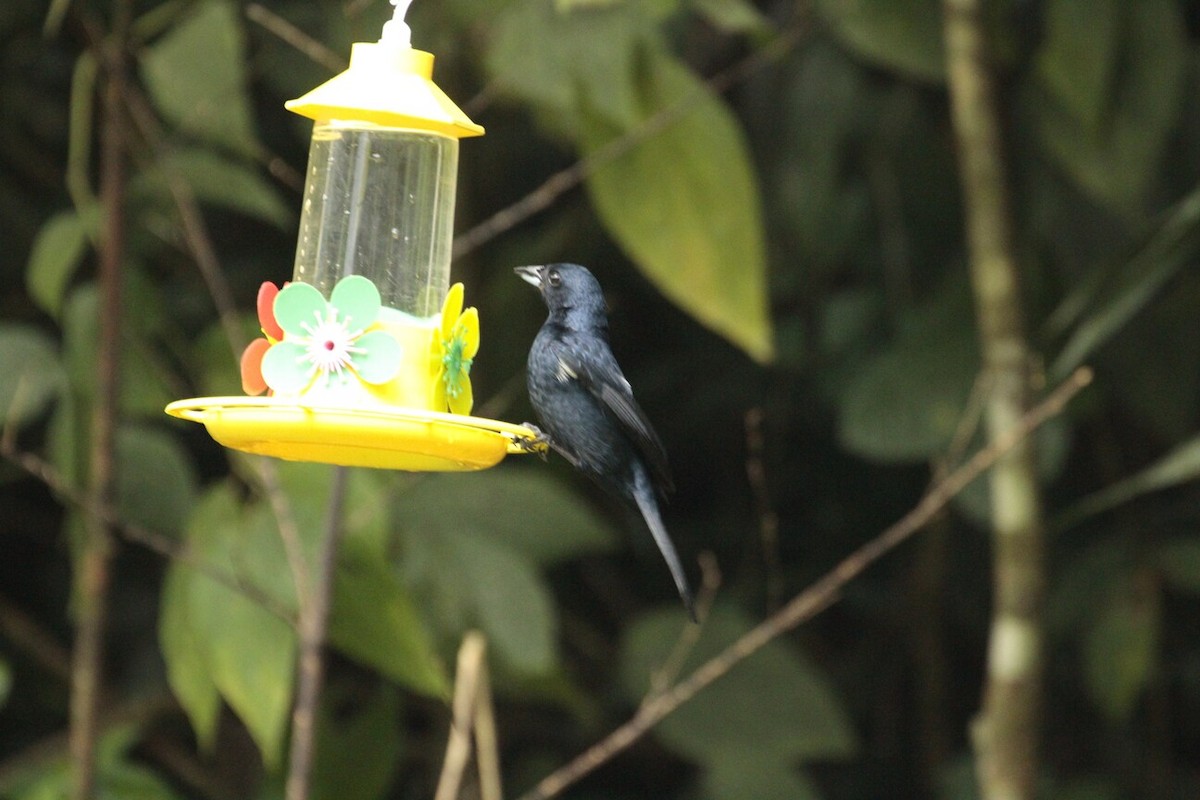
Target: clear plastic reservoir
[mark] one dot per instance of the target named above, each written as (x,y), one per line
(379,202)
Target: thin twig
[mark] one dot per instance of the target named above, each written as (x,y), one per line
(195,231)
(968,425)
(285,524)
(314,622)
(689,634)
(24,631)
(79,132)
(163,545)
(768,520)
(813,599)
(290,34)
(191,769)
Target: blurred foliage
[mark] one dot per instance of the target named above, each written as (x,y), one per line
(787,238)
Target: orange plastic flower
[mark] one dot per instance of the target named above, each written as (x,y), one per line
(251,363)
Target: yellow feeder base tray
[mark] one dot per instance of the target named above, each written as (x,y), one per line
(382,437)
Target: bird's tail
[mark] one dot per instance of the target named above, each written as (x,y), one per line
(643,495)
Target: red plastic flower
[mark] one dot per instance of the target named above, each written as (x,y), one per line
(253,382)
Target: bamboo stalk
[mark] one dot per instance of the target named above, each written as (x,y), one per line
(1006,732)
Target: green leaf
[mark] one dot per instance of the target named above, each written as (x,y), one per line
(1087,788)
(1179,466)
(250,653)
(156,482)
(1115,158)
(511,602)
(904,35)
(216,180)
(1158,395)
(357,752)
(738,774)
(6,682)
(528,510)
(57,252)
(127,780)
(732,16)
(117,778)
(684,203)
(144,387)
(1179,561)
(212,361)
(1110,306)
(568,69)
(801,718)
(959,780)
(187,670)
(374,621)
(467,580)
(365,517)
(1120,649)
(1085,584)
(196,76)
(1077,63)
(906,403)
(33,373)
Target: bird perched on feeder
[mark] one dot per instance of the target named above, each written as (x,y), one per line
(586,406)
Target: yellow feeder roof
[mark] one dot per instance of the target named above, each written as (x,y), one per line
(387,85)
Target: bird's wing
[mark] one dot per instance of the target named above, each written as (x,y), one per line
(597,370)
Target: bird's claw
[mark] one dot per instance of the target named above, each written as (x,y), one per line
(539,443)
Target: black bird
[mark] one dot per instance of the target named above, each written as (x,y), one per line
(586,407)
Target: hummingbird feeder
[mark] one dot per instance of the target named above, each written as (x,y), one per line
(366,354)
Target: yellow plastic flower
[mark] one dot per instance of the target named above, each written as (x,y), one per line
(454,347)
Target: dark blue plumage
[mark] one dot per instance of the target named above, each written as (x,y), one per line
(586,406)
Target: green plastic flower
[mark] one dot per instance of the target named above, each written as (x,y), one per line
(454,347)
(329,341)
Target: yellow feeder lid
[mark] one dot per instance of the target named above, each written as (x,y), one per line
(387,84)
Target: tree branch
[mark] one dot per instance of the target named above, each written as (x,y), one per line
(93,566)
(314,620)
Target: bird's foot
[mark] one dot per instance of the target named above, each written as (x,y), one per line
(539,443)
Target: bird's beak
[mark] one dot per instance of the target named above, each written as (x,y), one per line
(531,275)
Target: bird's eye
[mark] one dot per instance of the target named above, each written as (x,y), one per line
(553,278)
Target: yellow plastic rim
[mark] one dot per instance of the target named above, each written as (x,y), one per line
(383,437)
